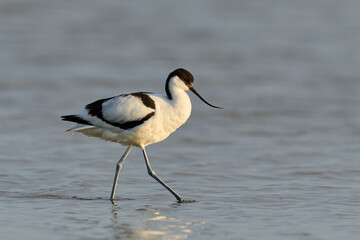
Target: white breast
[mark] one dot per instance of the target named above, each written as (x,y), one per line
(172,113)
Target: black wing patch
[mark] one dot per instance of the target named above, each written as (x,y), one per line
(130,124)
(146,99)
(95,109)
(76,119)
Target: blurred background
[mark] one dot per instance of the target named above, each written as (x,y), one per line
(281,161)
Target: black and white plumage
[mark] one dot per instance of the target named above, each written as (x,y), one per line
(139,119)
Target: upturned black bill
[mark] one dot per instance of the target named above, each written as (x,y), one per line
(197,94)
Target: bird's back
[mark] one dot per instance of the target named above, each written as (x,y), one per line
(136,119)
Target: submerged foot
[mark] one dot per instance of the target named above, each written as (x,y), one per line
(185,200)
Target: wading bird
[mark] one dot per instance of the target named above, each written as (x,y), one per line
(139,119)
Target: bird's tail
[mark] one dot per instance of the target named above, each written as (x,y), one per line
(82,123)
(76,119)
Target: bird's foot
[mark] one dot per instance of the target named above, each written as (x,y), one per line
(185,200)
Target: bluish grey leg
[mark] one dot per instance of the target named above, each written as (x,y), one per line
(153,175)
(118,168)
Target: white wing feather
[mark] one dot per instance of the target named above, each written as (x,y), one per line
(120,109)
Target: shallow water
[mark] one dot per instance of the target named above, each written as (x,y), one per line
(281,161)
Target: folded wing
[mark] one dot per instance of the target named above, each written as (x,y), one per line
(125,111)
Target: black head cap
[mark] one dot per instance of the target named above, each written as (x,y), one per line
(188,79)
(184,75)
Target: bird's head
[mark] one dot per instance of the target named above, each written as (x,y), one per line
(183,79)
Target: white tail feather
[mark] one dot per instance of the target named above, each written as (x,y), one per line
(79,127)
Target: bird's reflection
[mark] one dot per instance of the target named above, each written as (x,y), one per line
(147,223)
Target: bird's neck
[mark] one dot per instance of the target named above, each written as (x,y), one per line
(178,109)
(179,98)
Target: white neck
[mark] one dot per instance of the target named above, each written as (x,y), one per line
(179,108)
(180,99)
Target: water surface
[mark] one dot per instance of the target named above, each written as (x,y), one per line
(281,161)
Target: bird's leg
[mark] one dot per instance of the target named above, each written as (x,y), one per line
(153,175)
(118,168)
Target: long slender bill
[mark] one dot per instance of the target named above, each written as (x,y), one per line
(197,94)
